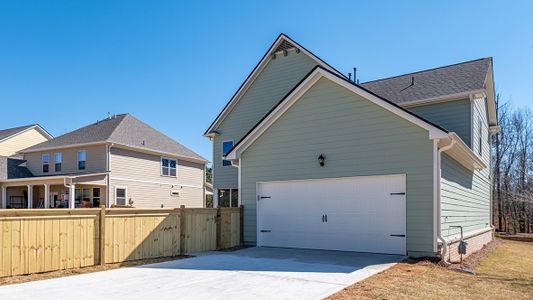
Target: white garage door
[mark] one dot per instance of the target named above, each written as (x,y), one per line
(364,214)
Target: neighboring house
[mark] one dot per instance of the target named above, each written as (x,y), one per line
(12,140)
(387,166)
(116,161)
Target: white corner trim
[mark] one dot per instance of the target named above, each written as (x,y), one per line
(255,73)
(298,92)
(436,187)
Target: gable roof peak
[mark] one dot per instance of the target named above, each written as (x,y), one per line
(282,43)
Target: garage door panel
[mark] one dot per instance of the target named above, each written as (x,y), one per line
(364,214)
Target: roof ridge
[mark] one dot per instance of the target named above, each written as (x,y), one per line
(430,69)
(124,115)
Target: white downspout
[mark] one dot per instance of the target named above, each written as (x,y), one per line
(439,234)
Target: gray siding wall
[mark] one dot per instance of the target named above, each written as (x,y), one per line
(358,138)
(454,116)
(274,82)
(140,173)
(466,194)
(96,160)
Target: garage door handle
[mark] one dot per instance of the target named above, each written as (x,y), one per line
(397,194)
(398,235)
(266,230)
(326,218)
(323,217)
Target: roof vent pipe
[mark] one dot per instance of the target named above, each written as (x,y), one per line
(350,76)
(412,80)
(355,74)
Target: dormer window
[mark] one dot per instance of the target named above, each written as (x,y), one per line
(82,158)
(46,163)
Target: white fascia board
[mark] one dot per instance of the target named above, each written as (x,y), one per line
(255,73)
(36,127)
(441,99)
(434,132)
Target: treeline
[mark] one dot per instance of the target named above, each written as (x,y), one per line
(513,170)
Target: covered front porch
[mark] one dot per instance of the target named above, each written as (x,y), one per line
(55,192)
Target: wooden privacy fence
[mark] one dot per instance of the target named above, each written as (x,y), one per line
(42,240)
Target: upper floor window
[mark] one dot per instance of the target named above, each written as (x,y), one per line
(82,158)
(226,147)
(168,167)
(46,163)
(480,136)
(58,160)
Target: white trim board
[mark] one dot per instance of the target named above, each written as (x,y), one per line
(37,127)
(156,182)
(255,73)
(304,86)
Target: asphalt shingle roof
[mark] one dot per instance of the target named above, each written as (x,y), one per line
(4,133)
(432,83)
(122,129)
(10,168)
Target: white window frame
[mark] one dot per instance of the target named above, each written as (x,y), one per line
(222,151)
(78,159)
(125,188)
(161,167)
(47,163)
(55,161)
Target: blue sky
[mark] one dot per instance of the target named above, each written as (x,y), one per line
(65,64)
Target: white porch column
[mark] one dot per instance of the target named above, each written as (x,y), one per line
(30,196)
(46,195)
(4,197)
(215,198)
(71,196)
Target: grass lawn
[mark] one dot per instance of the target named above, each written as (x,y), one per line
(506,273)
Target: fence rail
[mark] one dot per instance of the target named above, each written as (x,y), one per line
(42,240)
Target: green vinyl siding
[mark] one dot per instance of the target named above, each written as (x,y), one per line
(358,138)
(278,77)
(466,198)
(454,116)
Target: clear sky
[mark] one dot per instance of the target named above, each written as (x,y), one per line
(65,64)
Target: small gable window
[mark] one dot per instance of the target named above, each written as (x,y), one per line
(46,163)
(226,147)
(168,167)
(82,159)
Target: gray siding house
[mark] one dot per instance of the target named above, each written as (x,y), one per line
(116,161)
(398,165)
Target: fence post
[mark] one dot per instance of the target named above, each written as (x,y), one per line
(218,222)
(182,230)
(241,225)
(102,235)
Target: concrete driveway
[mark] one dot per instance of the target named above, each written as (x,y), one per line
(252,273)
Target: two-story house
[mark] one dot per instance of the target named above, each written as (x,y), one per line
(398,165)
(117,161)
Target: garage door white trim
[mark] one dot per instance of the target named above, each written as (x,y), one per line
(296,225)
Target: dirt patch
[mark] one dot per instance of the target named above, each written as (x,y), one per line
(77,271)
(474,259)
